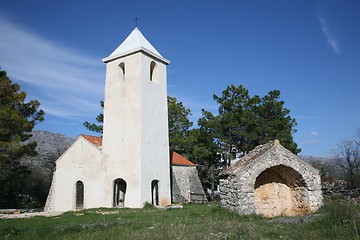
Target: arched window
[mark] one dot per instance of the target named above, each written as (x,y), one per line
(79,195)
(152,70)
(119,192)
(155,192)
(121,71)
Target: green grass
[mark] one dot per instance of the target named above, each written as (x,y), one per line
(334,221)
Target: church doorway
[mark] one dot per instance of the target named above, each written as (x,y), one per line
(79,202)
(119,192)
(155,192)
(280,191)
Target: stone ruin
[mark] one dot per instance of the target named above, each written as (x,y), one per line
(271,181)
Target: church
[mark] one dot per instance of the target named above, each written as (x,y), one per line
(131,165)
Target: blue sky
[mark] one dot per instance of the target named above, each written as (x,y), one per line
(309,50)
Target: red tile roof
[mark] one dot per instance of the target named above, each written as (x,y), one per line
(97,141)
(176,159)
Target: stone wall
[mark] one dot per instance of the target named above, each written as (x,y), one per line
(186,185)
(49,205)
(340,193)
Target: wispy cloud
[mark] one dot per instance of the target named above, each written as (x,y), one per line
(56,73)
(329,36)
(328,118)
(309,142)
(314,133)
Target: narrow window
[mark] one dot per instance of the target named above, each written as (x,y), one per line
(155,192)
(152,69)
(79,195)
(122,71)
(119,192)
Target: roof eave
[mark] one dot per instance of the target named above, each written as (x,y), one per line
(183,165)
(140,49)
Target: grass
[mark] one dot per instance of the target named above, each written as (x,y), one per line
(334,221)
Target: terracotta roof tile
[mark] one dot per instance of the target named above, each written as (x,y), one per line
(177,159)
(97,141)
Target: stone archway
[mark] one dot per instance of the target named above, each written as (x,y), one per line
(280,191)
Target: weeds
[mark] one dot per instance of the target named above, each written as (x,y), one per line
(148,205)
(341,212)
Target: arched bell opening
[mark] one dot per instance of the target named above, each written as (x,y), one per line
(281,191)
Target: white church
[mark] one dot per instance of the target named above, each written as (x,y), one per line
(131,164)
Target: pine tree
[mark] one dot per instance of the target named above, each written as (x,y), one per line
(179,125)
(244,122)
(98,128)
(17,119)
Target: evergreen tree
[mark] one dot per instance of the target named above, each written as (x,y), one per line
(274,122)
(17,119)
(243,122)
(205,152)
(98,128)
(179,125)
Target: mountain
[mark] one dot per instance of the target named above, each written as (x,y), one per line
(310,159)
(51,143)
(329,168)
(50,146)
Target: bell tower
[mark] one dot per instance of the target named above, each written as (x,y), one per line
(135,137)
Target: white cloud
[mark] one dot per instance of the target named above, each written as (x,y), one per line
(56,73)
(314,133)
(329,36)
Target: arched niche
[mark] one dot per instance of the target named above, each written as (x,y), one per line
(280,191)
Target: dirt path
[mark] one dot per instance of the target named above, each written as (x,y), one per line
(27,215)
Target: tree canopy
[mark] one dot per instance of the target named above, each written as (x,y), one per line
(179,125)
(17,119)
(244,122)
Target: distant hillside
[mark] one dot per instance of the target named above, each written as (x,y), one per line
(51,143)
(50,146)
(311,159)
(327,166)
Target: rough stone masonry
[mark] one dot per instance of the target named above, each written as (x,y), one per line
(271,181)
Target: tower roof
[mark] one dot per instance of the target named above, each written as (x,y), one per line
(135,42)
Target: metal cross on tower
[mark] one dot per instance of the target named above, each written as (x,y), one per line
(136,20)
